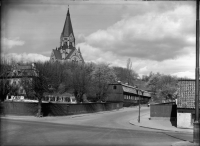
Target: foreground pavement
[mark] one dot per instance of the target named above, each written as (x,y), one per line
(164,125)
(103,128)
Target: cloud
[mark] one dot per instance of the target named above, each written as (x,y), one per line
(25,57)
(150,36)
(185,74)
(182,66)
(96,55)
(10,43)
(159,42)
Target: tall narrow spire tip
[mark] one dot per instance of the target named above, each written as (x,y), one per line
(68,11)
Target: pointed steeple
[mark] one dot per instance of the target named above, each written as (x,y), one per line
(67,33)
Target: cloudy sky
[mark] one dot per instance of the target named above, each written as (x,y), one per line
(156,36)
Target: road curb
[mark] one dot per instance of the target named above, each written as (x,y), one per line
(185,143)
(159,129)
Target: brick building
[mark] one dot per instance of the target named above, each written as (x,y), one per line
(186,103)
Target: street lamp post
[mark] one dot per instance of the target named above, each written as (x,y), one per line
(139,108)
(137,89)
(139,102)
(196,122)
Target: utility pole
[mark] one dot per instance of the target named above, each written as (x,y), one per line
(196,122)
(138,93)
(139,108)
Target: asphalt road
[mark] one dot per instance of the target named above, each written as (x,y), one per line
(99,129)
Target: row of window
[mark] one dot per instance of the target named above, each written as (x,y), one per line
(59,99)
(131,97)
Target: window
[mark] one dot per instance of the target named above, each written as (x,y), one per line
(114,87)
(75,61)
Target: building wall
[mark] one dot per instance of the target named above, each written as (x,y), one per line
(184,120)
(186,103)
(115,93)
(128,95)
(55,109)
(185,117)
(163,111)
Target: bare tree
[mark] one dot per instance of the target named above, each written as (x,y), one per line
(129,70)
(102,75)
(81,80)
(126,75)
(35,86)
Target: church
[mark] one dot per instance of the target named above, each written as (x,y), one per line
(67,50)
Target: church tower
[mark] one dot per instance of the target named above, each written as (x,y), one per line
(67,50)
(67,35)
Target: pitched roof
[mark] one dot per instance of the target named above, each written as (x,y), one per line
(70,53)
(81,57)
(57,54)
(67,29)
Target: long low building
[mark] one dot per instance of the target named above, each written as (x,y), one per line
(130,95)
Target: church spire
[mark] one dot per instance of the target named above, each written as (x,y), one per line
(68,11)
(67,33)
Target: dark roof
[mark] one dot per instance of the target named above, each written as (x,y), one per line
(70,53)
(72,50)
(57,54)
(67,29)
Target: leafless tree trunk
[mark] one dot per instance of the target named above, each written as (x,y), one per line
(129,69)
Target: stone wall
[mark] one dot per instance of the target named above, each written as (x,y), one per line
(55,109)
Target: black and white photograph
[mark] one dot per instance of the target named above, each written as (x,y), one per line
(99,73)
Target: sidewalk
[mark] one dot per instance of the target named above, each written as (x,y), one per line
(164,125)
